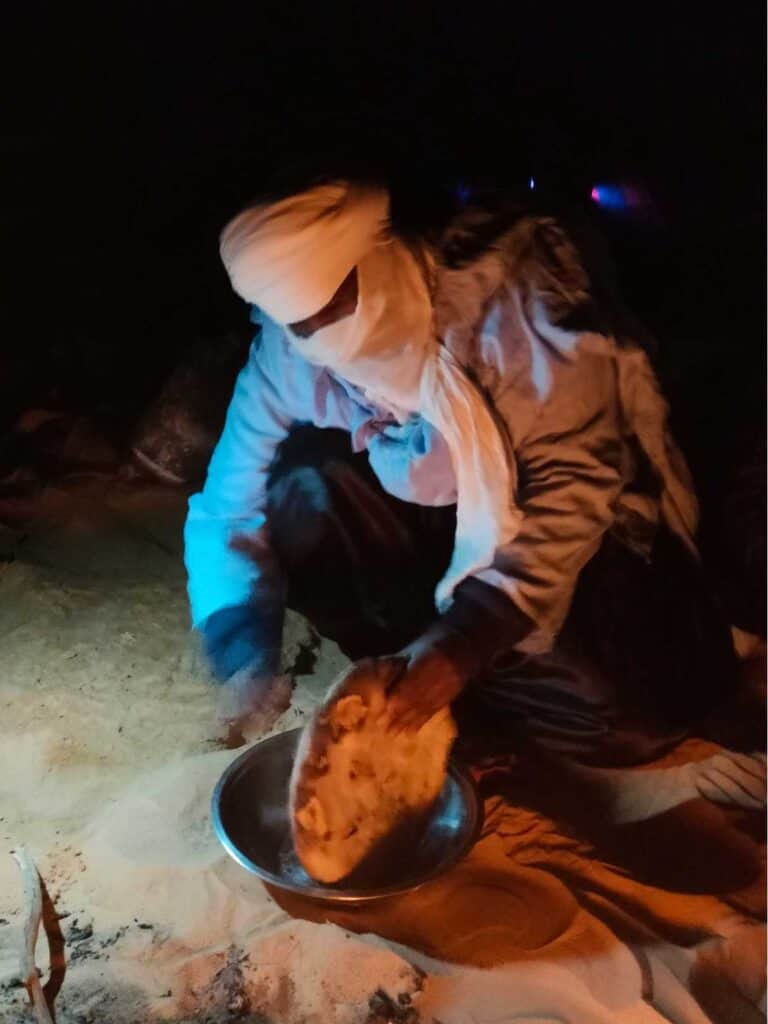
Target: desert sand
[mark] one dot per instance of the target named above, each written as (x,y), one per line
(109,751)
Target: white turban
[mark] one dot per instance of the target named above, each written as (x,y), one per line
(291,257)
(322,233)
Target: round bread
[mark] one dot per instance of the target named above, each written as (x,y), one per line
(355,783)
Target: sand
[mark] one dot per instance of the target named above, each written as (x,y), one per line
(109,750)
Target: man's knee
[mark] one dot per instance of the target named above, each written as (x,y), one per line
(308,447)
(298,503)
(299,497)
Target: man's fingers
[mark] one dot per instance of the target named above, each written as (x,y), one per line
(743,770)
(400,718)
(406,725)
(721,790)
(421,688)
(752,764)
(253,705)
(736,779)
(400,714)
(394,669)
(411,717)
(403,695)
(741,779)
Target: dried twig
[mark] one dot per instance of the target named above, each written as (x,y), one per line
(33,909)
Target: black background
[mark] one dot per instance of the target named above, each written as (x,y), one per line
(134,132)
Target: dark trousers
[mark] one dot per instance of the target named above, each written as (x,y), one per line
(645,649)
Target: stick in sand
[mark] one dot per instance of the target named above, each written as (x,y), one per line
(33,907)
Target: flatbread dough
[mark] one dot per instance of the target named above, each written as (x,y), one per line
(355,783)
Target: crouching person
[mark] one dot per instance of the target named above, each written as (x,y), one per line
(446,451)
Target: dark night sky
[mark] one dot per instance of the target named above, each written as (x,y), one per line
(135,133)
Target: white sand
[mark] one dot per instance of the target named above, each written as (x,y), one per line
(109,751)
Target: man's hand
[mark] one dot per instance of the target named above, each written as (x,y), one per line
(456,649)
(249,704)
(438,668)
(242,644)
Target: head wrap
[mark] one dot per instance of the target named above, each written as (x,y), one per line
(291,257)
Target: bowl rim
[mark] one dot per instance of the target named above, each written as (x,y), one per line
(456,769)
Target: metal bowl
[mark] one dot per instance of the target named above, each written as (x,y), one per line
(250,817)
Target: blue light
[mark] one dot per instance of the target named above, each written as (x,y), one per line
(531,184)
(612,197)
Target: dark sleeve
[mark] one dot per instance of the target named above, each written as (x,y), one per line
(243,636)
(485,622)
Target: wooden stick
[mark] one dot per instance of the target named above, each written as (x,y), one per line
(33,907)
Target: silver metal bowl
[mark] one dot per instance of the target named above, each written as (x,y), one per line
(250,816)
